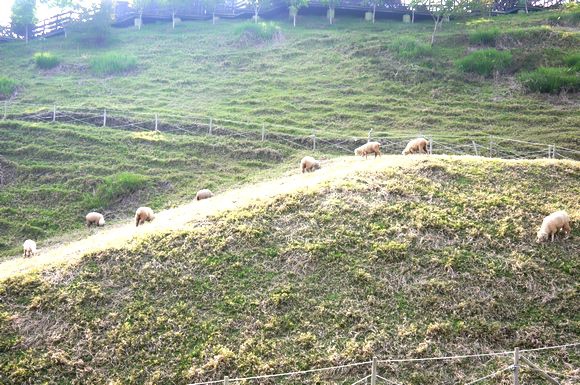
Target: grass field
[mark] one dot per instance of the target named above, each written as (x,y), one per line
(422,260)
(345,78)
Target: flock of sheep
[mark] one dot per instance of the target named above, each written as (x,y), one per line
(551,224)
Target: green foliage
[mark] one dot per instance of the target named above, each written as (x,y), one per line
(113,63)
(408,47)
(573,61)
(485,62)
(23,16)
(46,60)
(7,87)
(97,30)
(258,31)
(487,36)
(115,187)
(568,16)
(551,80)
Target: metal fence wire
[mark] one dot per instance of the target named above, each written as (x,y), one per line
(325,140)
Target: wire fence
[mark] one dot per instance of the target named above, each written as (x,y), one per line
(376,370)
(322,139)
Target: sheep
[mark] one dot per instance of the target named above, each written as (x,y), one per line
(203,194)
(552,224)
(418,145)
(369,148)
(309,164)
(142,215)
(94,218)
(29,247)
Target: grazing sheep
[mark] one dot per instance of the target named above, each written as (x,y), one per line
(552,224)
(29,247)
(418,145)
(142,215)
(203,194)
(94,218)
(369,148)
(309,164)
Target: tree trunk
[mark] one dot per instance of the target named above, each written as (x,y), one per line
(434,30)
(331,15)
(295,19)
(26,33)
(140,20)
(374,11)
(173,18)
(526,3)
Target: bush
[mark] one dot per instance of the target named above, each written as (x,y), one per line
(485,62)
(409,48)
(7,87)
(115,187)
(258,31)
(573,61)
(46,60)
(113,63)
(551,80)
(484,36)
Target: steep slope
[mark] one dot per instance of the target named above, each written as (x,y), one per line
(421,259)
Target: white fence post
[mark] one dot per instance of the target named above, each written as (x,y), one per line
(369,137)
(516,366)
(156,121)
(549,151)
(313,140)
(226,380)
(5,109)
(553,151)
(475,148)
(210,125)
(263,131)
(374,372)
(105,117)
(430,146)
(54,113)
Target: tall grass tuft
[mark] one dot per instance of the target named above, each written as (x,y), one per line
(258,31)
(113,63)
(573,61)
(486,36)
(551,80)
(407,47)
(46,60)
(485,62)
(115,187)
(7,87)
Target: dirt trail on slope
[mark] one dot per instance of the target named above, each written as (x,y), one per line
(189,215)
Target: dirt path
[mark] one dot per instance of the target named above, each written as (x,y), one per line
(182,217)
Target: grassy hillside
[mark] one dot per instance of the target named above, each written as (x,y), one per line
(438,257)
(53,174)
(345,78)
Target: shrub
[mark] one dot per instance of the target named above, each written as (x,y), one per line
(485,62)
(113,63)
(573,61)
(407,47)
(7,87)
(115,187)
(550,80)
(46,60)
(258,31)
(484,36)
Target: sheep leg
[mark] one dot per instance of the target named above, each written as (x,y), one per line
(553,237)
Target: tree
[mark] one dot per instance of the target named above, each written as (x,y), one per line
(23,18)
(374,4)
(294,6)
(257,4)
(438,9)
(96,29)
(176,5)
(331,5)
(140,5)
(211,5)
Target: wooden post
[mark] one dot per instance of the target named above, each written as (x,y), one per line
(369,137)
(430,146)
(210,125)
(516,366)
(156,121)
(54,113)
(374,372)
(475,148)
(105,117)
(540,371)
(263,131)
(226,380)
(313,140)
(549,151)
(553,151)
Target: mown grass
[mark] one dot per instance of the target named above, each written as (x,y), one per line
(54,174)
(551,80)
(407,47)
(345,78)
(46,60)
(485,62)
(429,260)
(7,87)
(113,63)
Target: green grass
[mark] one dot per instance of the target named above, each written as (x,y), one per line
(46,60)
(7,87)
(407,47)
(485,36)
(113,63)
(258,32)
(573,61)
(485,62)
(551,80)
(430,260)
(55,173)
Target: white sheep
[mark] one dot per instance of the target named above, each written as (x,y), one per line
(94,218)
(552,224)
(418,145)
(203,194)
(142,215)
(29,247)
(369,148)
(309,164)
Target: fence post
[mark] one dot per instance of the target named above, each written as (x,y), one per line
(226,380)
(430,146)
(156,121)
(54,113)
(553,151)
(369,137)
(105,117)
(490,146)
(210,125)
(475,148)
(516,366)
(313,140)
(263,131)
(5,109)
(374,372)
